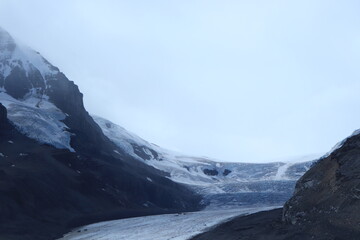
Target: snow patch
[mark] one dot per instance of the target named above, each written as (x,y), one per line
(281,172)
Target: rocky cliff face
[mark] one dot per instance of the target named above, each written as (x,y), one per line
(3,116)
(327,197)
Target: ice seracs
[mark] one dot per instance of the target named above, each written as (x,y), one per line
(38,119)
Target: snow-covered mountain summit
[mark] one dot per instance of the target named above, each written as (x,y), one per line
(41,102)
(21,64)
(25,84)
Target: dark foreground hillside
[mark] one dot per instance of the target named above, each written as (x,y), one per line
(269,226)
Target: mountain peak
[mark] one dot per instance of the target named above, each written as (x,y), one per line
(7,43)
(23,71)
(42,102)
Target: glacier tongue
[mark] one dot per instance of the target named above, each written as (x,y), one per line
(178,226)
(38,119)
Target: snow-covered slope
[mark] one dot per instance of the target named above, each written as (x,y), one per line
(221,183)
(38,119)
(200,170)
(15,55)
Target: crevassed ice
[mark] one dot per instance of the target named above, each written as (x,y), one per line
(38,119)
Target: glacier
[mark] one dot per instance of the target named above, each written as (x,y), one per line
(179,226)
(222,185)
(38,119)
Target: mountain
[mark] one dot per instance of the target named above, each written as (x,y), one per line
(57,168)
(325,204)
(222,184)
(61,167)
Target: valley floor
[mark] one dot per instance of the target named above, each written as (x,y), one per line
(180,226)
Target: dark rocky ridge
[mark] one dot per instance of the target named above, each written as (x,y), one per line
(328,195)
(87,134)
(3,116)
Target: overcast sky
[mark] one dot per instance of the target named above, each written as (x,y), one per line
(249,81)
